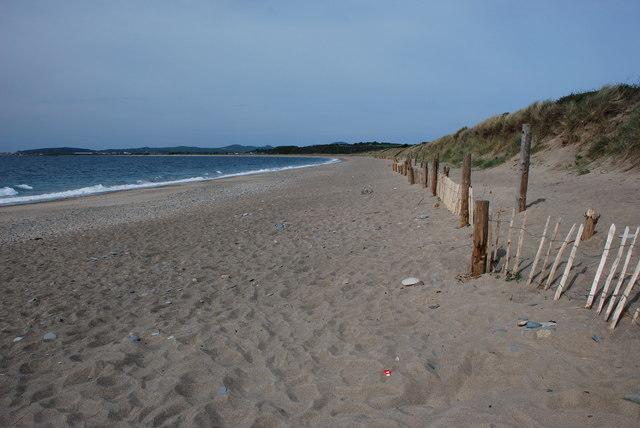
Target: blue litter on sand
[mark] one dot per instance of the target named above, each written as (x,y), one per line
(223,390)
(533,324)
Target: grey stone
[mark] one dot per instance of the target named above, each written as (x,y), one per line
(533,324)
(49,336)
(18,338)
(408,282)
(133,338)
(280,226)
(634,397)
(223,390)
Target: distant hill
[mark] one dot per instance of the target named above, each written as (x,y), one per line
(182,150)
(577,130)
(333,148)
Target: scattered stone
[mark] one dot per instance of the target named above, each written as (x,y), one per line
(436,306)
(225,276)
(522,322)
(514,348)
(422,216)
(133,338)
(408,282)
(171,337)
(245,214)
(436,205)
(549,325)
(49,336)
(634,397)
(280,226)
(155,333)
(223,390)
(596,338)
(533,324)
(18,338)
(366,191)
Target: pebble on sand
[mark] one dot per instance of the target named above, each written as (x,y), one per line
(133,338)
(49,336)
(223,390)
(522,322)
(634,397)
(408,282)
(18,338)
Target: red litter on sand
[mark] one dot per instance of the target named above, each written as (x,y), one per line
(387,372)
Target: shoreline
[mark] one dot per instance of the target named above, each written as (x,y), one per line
(98,189)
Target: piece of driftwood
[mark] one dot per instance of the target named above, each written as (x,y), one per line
(623,272)
(546,257)
(556,262)
(567,268)
(603,260)
(516,260)
(590,221)
(505,268)
(539,252)
(612,271)
(624,297)
(494,252)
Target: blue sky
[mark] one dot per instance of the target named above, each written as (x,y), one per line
(211,73)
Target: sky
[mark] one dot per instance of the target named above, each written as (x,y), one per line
(116,74)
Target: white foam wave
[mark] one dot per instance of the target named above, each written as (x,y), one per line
(24,186)
(7,191)
(99,188)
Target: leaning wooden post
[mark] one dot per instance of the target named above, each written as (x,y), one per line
(603,260)
(445,171)
(425,175)
(539,252)
(636,316)
(480,231)
(411,175)
(546,257)
(516,261)
(464,196)
(624,297)
(494,253)
(612,271)
(622,275)
(556,262)
(505,268)
(434,176)
(590,221)
(525,154)
(567,268)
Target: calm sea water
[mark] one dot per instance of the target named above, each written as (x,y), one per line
(25,179)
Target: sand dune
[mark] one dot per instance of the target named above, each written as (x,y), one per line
(242,323)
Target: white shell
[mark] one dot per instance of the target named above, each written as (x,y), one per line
(411,281)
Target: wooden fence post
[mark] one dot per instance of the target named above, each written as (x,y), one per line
(622,275)
(590,220)
(516,260)
(434,176)
(603,260)
(480,231)
(411,175)
(525,154)
(425,175)
(556,262)
(569,264)
(546,257)
(612,270)
(464,196)
(624,297)
(505,268)
(538,253)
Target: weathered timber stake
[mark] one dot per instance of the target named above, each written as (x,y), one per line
(636,316)
(434,176)
(411,175)
(425,175)
(546,257)
(525,154)
(494,253)
(445,171)
(622,275)
(612,271)
(516,261)
(556,262)
(480,231)
(603,260)
(464,197)
(539,252)
(505,268)
(567,268)
(624,297)
(590,221)
(490,241)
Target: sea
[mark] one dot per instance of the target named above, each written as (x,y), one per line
(29,179)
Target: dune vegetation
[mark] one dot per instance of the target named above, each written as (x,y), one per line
(600,125)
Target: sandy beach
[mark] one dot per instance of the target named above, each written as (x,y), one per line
(276,300)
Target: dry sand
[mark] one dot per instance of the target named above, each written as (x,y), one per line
(300,323)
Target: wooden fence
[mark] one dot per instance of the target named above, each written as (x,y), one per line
(450,194)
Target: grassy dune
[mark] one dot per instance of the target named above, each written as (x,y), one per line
(599,125)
